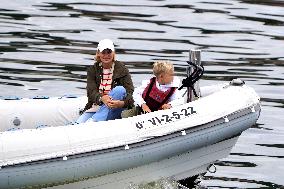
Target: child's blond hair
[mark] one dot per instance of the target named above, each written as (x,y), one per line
(160,67)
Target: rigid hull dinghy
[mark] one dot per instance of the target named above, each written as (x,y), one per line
(176,143)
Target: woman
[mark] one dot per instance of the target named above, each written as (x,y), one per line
(109,86)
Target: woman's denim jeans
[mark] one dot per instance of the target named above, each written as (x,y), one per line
(104,113)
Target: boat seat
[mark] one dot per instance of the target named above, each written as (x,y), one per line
(134,111)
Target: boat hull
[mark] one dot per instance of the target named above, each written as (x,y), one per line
(174,168)
(175,148)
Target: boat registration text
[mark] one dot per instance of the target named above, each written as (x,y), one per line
(165,118)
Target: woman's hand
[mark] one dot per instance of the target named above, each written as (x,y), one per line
(145,108)
(106,99)
(115,104)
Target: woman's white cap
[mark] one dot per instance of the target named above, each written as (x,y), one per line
(105,44)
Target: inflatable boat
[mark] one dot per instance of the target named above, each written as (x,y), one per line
(178,142)
(40,146)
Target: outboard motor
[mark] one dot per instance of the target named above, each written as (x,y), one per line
(194,72)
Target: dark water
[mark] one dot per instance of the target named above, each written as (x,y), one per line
(46,45)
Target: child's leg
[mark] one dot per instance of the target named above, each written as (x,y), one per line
(105,113)
(85,116)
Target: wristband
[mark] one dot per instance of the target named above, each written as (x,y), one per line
(100,101)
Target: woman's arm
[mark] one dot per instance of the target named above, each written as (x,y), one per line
(92,86)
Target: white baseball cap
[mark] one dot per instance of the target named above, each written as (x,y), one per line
(105,44)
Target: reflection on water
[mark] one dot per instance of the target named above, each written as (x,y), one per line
(45,47)
(159,184)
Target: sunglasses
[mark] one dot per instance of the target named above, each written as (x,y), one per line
(106,51)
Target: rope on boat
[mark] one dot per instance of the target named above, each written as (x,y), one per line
(190,80)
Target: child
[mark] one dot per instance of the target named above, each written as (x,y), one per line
(160,92)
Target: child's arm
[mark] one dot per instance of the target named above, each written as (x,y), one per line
(145,108)
(176,99)
(137,94)
(166,106)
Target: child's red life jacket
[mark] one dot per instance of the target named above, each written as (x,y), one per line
(154,97)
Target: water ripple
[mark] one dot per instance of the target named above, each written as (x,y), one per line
(46,47)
